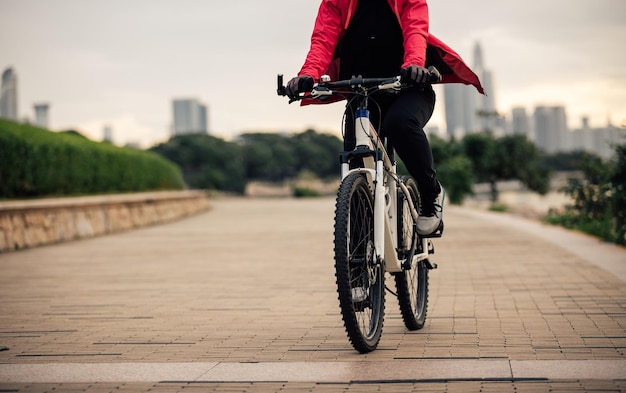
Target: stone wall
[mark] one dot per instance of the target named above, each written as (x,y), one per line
(32,223)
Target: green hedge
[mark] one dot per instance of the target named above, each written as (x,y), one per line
(35,162)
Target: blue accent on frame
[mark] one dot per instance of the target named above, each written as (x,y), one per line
(363,113)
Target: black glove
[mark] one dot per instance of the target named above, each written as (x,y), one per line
(299,84)
(415,74)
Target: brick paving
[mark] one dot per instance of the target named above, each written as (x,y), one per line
(252,282)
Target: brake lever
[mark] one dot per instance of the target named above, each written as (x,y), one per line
(395,85)
(320,91)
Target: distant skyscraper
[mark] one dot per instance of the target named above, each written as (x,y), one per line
(453,103)
(107,134)
(582,137)
(466,110)
(520,123)
(8,95)
(606,138)
(41,115)
(551,132)
(459,108)
(190,117)
(484,105)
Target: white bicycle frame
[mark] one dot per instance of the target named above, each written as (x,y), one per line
(381,174)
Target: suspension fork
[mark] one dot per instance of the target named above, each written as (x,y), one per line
(374,165)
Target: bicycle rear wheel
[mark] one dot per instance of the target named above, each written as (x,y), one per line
(412,282)
(359,275)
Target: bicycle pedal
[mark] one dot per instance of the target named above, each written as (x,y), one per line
(430,265)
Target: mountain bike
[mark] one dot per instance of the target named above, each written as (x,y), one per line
(375,230)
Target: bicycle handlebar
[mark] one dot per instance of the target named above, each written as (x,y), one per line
(325,88)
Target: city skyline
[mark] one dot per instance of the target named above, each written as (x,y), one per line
(547,127)
(228,56)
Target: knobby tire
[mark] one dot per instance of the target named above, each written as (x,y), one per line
(412,282)
(356,264)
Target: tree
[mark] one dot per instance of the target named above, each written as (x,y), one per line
(268,156)
(618,180)
(454,170)
(456,176)
(518,158)
(276,157)
(591,192)
(598,198)
(506,158)
(443,150)
(317,153)
(564,161)
(207,162)
(479,148)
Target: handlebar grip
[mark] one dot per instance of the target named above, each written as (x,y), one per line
(435,75)
(280,87)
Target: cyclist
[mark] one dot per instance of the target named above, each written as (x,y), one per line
(379,38)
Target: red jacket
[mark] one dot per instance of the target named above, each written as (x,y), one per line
(420,47)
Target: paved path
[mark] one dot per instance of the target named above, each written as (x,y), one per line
(242,298)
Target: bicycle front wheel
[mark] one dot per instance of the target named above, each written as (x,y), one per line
(359,274)
(412,282)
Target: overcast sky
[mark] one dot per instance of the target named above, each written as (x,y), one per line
(121,62)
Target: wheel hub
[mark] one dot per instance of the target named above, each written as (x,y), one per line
(371,261)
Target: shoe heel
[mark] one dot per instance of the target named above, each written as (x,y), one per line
(438,232)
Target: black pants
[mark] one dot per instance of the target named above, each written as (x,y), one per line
(404,116)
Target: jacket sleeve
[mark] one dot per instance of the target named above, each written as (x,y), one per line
(326,33)
(414,22)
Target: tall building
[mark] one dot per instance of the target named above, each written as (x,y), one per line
(190,117)
(519,122)
(484,105)
(466,110)
(453,106)
(107,134)
(582,138)
(8,95)
(551,132)
(606,138)
(41,115)
(458,103)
